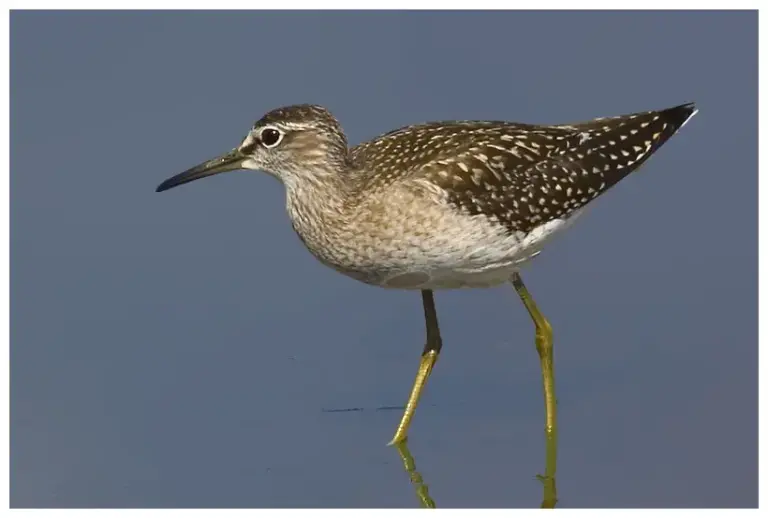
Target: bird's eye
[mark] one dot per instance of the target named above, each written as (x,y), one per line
(270,137)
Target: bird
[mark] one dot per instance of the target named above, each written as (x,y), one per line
(442,205)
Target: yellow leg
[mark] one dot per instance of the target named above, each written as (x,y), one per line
(544,347)
(428,359)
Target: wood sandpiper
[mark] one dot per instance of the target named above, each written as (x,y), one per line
(442,205)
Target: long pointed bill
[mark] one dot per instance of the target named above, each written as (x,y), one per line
(230,161)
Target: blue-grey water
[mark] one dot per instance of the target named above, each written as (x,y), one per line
(178,349)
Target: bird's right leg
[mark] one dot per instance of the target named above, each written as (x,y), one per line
(544,348)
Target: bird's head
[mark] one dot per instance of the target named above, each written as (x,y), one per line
(291,143)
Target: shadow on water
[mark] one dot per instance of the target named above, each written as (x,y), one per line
(549,497)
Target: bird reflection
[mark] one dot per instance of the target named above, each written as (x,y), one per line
(549,497)
(422,491)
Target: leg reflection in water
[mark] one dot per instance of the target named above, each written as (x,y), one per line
(422,491)
(549,498)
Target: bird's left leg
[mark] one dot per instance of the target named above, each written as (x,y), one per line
(428,359)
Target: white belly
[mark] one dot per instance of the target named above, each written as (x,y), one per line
(481,263)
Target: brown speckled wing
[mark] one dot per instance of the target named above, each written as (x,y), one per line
(524,176)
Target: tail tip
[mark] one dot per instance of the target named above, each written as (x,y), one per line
(681,114)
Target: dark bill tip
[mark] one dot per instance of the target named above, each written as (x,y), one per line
(168,184)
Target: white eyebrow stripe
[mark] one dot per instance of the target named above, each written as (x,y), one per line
(294,125)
